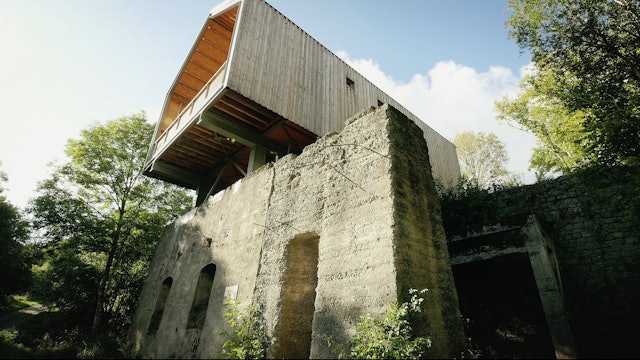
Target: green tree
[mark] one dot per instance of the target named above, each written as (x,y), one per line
(483,159)
(3,179)
(100,220)
(539,109)
(590,47)
(13,233)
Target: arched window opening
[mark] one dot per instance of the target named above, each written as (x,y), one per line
(158,310)
(298,296)
(200,302)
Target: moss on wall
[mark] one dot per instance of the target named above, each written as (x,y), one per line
(420,250)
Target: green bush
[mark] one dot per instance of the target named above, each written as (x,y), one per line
(389,337)
(248,339)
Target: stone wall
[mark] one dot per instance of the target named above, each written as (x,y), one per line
(592,218)
(342,230)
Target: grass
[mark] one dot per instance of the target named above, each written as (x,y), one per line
(16,302)
(12,348)
(21,341)
(51,334)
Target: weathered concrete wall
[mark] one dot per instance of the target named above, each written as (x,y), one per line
(421,264)
(363,197)
(592,218)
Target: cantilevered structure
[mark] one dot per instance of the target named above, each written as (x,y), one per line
(255,87)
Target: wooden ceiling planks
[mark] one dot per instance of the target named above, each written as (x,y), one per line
(211,145)
(252,105)
(215,43)
(248,119)
(209,53)
(180,100)
(185,91)
(202,151)
(197,74)
(195,147)
(228,19)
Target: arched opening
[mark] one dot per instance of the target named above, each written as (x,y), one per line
(158,310)
(200,303)
(298,296)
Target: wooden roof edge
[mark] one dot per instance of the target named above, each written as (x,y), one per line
(216,11)
(169,93)
(223,7)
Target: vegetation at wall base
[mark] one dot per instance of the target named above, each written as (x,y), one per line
(387,336)
(54,335)
(248,337)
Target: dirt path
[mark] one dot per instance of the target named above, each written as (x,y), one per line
(17,317)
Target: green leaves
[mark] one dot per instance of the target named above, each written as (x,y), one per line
(483,159)
(388,337)
(540,109)
(107,160)
(14,228)
(589,48)
(248,339)
(99,219)
(391,335)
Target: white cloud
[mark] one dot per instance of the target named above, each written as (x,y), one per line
(452,98)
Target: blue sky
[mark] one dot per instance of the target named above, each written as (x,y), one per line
(67,64)
(408,37)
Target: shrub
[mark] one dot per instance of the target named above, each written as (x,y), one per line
(248,339)
(391,336)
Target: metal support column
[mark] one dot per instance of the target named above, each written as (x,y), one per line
(257,158)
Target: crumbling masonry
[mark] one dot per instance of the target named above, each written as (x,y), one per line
(316,240)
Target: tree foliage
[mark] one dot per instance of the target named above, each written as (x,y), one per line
(483,159)
(99,220)
(540,110)
(14,266)
(591,49)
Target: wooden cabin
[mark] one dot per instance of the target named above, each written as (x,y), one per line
(255,87)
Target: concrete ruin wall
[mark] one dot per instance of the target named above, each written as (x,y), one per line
(317,240)
(593,219)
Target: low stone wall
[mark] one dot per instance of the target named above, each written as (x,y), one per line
(592,218)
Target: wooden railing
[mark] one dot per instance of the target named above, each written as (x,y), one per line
(191,112)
